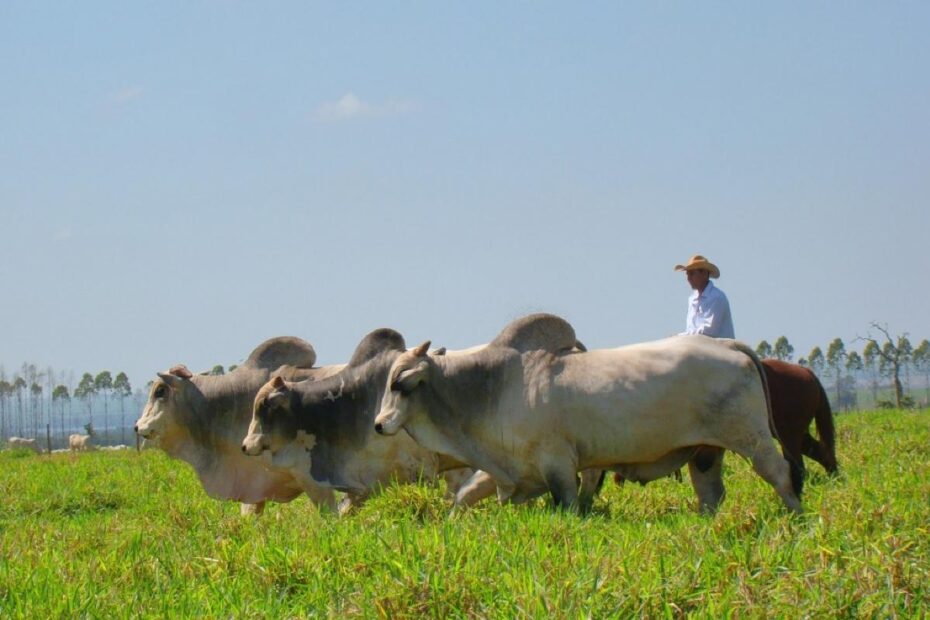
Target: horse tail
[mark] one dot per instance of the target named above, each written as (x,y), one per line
(826,433)
(795,462)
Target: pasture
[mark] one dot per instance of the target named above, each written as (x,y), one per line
(118,534)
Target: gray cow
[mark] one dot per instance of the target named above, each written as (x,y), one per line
(323,430)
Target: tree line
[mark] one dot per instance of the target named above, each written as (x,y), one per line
(890,357)
(33,397)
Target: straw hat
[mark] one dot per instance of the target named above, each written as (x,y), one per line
(699,262)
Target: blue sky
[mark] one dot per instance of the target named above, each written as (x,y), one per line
(180,181)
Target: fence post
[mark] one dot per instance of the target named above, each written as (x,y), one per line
(137,442)
(48,437)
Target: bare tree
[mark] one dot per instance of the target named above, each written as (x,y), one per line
(921,360)
(892,357)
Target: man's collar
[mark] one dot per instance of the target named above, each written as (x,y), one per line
(707,289)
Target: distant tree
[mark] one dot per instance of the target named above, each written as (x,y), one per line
(815,360)
(764,349)
(835,358)
(60,395)
(103,384)
(232,367)
(907,350)
(846,393)
(217,370)
(6,389)
(123,389)
(854,368)
(19,384)
(35,391)
(921,360)
(783,350)
(870,355)
(892,358)
(802,361)
(85,391)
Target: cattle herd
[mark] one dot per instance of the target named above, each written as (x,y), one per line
(531,412)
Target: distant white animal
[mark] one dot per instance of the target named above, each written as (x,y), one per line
(22,442)
(79,442)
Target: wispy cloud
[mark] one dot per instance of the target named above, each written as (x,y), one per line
(126,95)
(64,234)
(350,107)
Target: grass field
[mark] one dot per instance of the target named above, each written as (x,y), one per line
(119,534)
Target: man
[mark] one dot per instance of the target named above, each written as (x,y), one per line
(708,308)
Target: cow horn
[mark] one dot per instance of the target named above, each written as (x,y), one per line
(180,371)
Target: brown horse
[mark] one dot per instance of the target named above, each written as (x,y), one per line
(797,397)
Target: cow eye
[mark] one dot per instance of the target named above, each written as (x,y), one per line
(398,386)
(160,391)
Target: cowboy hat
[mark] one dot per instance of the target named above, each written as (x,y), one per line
(699,262)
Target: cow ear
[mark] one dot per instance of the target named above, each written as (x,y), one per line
(279,393)
(421,350)
(410,378)
(173,381)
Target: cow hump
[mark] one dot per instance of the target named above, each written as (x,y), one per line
(281,351)
(376,342)
(543,331)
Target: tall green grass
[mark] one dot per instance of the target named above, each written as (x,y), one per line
(120,534)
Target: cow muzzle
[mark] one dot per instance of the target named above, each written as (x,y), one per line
(254,445)
(144,431)
(387,424)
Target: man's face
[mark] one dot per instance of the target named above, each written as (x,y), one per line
(698,278)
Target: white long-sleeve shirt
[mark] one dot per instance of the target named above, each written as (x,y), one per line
(709,314)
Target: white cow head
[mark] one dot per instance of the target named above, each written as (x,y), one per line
(159,415)
(401,400)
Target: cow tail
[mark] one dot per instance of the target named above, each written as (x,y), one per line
(795,465)
(826,433)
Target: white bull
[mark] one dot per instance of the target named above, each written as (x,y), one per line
(533,419)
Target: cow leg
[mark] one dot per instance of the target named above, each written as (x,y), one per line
(251,510)
(775,470)
(479,486)
(814,450)
(324,498)
(706,471)
(591,482)
(350,503)
(563,486)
